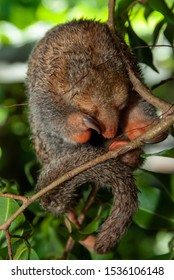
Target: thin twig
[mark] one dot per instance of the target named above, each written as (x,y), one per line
(152,46)
(157,129)
(8,238)
(162,126)
(111,8)
(146,93)
(13,196)
(88,203)
(70,242)
(138,86)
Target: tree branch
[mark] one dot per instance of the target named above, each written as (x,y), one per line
(111,8)
(14,196)
(137,84)
(8,238)
(79,221)
(162,126)
(139,87)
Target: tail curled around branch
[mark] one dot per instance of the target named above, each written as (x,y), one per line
(112,173)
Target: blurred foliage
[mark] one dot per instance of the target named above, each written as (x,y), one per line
(39,235)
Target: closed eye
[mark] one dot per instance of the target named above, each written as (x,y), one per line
(122,105)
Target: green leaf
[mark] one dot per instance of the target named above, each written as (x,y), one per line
(157,30)
(7,207)
(156,210)
(167,153)
(169,34)
(164,153)
(4,253)
(92,227)
(147,11)
(76,234)
(27,229)
(161,257)
(9,186)
(170,188)
(25,253)
(121,13)
(167,182)
(108,256)
(172,131)
(161,6)
(28,171)
(141,49)
(162,181)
